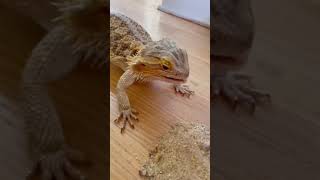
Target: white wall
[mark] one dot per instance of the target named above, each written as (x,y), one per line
(197,11)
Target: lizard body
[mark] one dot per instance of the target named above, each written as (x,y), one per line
(126,38)
(143,59)
(79,35)
(233,35)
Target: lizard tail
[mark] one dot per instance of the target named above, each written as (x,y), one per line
(85,22)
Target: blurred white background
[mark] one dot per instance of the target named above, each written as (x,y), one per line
(197,11)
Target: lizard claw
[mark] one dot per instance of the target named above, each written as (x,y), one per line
(237,88)
(77,156)
(184,90)
(56,165)
(127,115)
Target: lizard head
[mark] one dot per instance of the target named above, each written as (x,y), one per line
(161,60)
(85,22)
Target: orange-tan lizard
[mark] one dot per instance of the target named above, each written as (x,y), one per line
(142,59)
(80,35)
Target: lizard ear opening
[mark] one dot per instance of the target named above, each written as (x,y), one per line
(139,66)
(136,48)
(135,60)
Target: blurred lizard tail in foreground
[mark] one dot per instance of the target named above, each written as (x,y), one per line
(79,33)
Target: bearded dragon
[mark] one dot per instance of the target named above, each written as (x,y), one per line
(233,35)
(79,34)
(143,59)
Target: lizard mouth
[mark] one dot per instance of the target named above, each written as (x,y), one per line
(174,79)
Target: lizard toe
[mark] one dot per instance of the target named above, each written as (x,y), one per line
(46,175)
(57,165)
(127,116)
(59,174)
(134,111)
(51,166)
(73,172)
(77,156)
(237,88)
(184,90)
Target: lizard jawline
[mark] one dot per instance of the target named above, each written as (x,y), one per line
(174,79)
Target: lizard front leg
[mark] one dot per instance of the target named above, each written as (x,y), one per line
(183,89)
(50,60)
(126,112)
(237,88)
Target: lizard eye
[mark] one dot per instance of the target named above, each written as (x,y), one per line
(165,64)
(165,67)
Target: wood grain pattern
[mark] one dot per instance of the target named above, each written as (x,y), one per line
(157,103)
(281,141)
(80,97)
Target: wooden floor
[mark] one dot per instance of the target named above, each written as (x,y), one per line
(282,140)
(80,97)
(157,103)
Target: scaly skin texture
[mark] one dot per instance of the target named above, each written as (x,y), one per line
(142,59)
(79,35)
(233,34)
